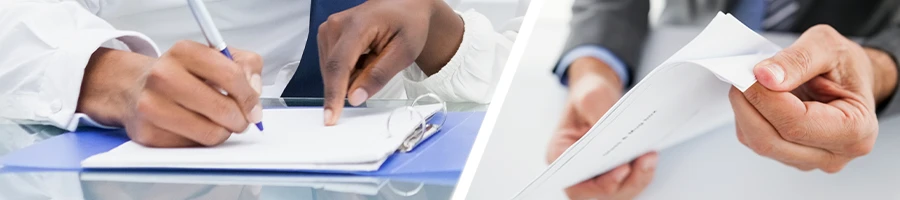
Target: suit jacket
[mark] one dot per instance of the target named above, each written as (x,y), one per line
(622,25)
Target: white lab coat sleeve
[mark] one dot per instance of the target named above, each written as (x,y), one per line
(44,48)
(472,73)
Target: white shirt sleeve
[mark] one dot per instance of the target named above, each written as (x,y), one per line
(473,72)
(45,48)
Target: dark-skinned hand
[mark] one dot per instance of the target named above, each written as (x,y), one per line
(364,47)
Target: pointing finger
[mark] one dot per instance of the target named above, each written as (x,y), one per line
(336,71)
(379,72)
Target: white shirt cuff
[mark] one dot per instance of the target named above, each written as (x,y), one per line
(470,75)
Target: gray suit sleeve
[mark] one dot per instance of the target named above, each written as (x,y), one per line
(620,26)
(888,40)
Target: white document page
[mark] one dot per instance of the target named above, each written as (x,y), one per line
(685,96)
(294,139)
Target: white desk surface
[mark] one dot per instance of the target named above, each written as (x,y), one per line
(712,166)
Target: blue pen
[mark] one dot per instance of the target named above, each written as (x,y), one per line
(213,38)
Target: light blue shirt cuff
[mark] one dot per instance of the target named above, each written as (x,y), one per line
(597,52)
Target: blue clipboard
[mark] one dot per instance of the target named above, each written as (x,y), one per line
(441,156)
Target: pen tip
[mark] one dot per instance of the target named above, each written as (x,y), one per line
(259,125)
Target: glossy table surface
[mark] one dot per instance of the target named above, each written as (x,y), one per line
(207,185)
(712,166)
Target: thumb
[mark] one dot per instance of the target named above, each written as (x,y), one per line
(252,64)
(815,53)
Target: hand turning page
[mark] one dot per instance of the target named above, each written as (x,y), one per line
(685,96)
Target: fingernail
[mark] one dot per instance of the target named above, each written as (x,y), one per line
(256,83)
(248,73)
(777,72)
(620,175)
(650,163)
(358,97)
(328,115)
(256,114)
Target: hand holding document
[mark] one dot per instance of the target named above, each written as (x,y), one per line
(685,96)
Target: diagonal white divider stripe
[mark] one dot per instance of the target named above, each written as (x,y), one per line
(490,118)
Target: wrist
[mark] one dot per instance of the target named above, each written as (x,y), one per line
(884,74)
(111,78)
(591,67)
(445,33)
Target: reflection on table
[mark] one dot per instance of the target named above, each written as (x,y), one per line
(208,185)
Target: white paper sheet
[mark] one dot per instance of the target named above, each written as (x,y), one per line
(685,96)
(294,139)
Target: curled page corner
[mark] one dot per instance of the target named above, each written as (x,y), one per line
(734,70)
(684,97)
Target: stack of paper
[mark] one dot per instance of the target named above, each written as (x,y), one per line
(294,139)
(685,96)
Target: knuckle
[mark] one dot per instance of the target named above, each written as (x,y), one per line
(742,138)
(824,29)
(832,168)
(860,138)
(249,102)
(222,107)
(864,129)
(860,148)
(606,189)
(331,95)
(234,74)
(239,123)
(762,148)
(183,43)
(255,59)
(140,136)
(793,133)
(752,96)
(145,105)
(324,30)
(322,27)
(229,78)
(144,135)
(832,163)
(337,18)
(145,139)
(379,76)
(332,66)
(854,132)
(213,136)
(158,75)
(181,48)
(798,58)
